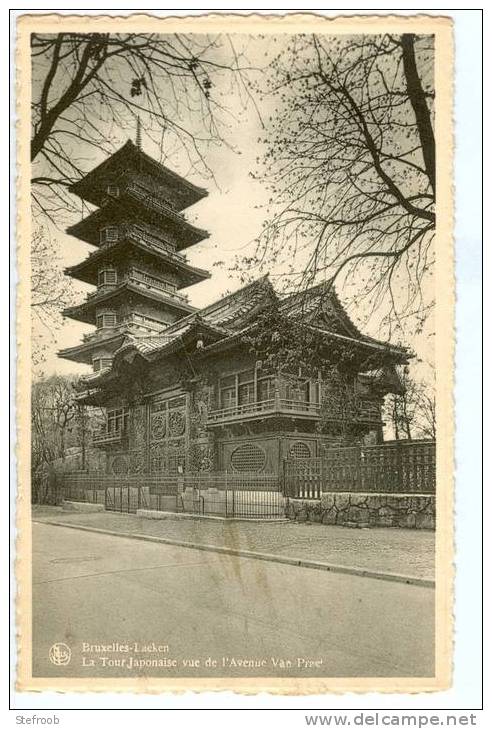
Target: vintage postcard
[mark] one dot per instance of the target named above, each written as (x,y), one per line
(235,353)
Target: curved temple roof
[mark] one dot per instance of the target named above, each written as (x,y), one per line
(87,270)
(88,229)
(131,158)
(225,320)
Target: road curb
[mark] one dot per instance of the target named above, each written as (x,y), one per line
(292,561)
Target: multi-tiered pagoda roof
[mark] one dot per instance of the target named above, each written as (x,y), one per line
(139,231)
(131,159)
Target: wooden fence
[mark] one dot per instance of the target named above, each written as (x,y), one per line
(399,467)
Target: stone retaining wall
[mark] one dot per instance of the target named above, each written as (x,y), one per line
(367,510)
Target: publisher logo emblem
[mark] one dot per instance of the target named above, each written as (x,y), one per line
(60,654)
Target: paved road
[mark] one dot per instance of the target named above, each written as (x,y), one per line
(179,604)
(405,551)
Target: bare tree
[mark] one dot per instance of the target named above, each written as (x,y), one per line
(351,164)
(50,291)
(53,413)
(86,86)
(426,406)
(58,421)
(412,413)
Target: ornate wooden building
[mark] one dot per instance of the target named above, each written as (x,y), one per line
(184,389)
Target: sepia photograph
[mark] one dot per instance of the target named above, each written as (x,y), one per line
(235,263)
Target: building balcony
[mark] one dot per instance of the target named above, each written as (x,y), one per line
(103,333)
(139,233)
(104,439)
(154,284)
(264,408)
(132,324)
(143,280)
(145,195)
(366,411)
(189,234)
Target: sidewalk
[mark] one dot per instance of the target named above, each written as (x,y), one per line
(397,551)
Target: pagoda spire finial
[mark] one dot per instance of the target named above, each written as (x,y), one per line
(138,137)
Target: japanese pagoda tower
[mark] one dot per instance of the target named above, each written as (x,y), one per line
(139,233)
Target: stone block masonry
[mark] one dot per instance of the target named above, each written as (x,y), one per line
(367,510)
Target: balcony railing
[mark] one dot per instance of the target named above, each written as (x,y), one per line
(104,438)
(150,282)
(254,409)
(141,193)
(139,233)
(130,324)
(365,411)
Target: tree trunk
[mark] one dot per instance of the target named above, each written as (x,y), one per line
(419,104)
(395,418)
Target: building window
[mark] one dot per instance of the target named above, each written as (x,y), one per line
(297,390)
(266,389)
(117,420)
(108,319)
(299,450)
(101,363)
(228,397)
(248,458)
(227,391)
(113,190)
(107,276)
(246,393)
(109,234)
(249,386)
(246,387)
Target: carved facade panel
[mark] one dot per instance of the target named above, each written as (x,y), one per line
(167,418)
(168,456)
(138,461)
(168,434)
(157,426)
(177,422)
(138,421)
(200,405)
(201,457)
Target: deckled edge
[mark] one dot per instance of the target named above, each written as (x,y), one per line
(442,27)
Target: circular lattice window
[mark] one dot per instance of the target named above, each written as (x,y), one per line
(158,426)
(248,458)
(299,450)
(177,423)
(120,465)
